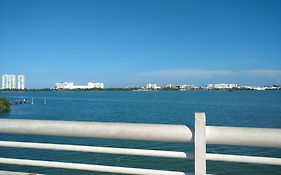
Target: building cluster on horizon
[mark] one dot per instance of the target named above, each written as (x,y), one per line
(179,87)
(13,82)
(154,86)
(235,86)
(70,85)
(221,86)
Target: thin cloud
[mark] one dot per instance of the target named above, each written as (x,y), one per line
(267,73)
(194,73)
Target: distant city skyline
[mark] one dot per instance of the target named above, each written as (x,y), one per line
(131,43)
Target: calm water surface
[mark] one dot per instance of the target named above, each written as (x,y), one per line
(237,108)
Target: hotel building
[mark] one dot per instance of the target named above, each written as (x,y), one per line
(150,86)
(70,85)
(222,86)
(8,81)
(21,82)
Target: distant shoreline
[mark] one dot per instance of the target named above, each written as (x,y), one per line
(127,89)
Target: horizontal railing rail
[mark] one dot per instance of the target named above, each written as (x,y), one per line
(106,130)
(259,137)
(15,173)
(244,159)
(97,149)
(142,152)
(200,135)
(262,137)
(88,167)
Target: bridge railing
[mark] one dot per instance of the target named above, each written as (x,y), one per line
(200,135)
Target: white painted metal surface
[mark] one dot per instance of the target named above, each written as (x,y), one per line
(129,131)
(263,137)
(142,152)
(244,159)
(16,173)
(95,149)
(97,168)
(200,144)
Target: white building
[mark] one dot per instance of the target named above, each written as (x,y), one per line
(222,86)
(152,86)
(64,85)
(70,85)
(255,88)
(170,86)
(8,82)
(96,85)
(185,87)
(21,82)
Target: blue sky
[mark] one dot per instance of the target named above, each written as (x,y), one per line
(134,42)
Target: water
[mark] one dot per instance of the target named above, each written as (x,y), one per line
(222,108)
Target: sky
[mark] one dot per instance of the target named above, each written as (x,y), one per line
(126,43)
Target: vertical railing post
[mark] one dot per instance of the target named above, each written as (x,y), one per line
(200,144)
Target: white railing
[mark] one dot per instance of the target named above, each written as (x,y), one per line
(200,135)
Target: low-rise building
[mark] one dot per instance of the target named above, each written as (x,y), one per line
(254,88)
(70,85)
(96,85)
(64,85)
(150,86)
(187,87)
(170,86)
(222,86)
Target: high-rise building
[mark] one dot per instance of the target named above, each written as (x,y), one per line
(8,82)
(21,82)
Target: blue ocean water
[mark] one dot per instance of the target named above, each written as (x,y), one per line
(222,108)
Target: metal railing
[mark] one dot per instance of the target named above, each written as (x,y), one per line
(200,135)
